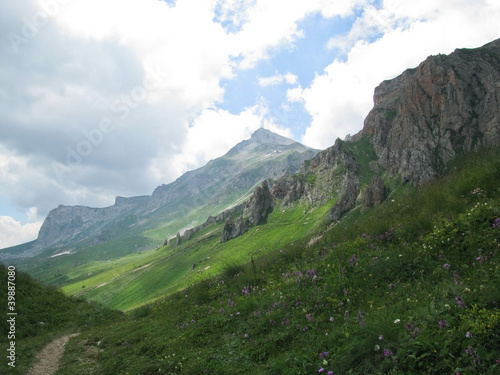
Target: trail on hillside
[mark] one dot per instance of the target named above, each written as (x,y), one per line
(47,360)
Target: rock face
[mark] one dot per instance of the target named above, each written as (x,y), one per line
(255,212)
(347,197)
(447,106)
(259,205)
(233,229)
(66,224)
(374,193)
(330,174)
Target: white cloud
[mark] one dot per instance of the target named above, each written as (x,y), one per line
(277,79)
(12,232)
(341,97)
(211,135)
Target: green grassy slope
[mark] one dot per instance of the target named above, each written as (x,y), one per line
(409,287)
(43,313)
(141,278)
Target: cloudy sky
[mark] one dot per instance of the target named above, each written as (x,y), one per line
(100,98)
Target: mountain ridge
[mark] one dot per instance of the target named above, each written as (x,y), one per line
(264,155)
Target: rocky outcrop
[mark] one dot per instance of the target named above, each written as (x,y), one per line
(374,193)
(347,197)
(234,228)
(447,106)
(259,205)
(255,212)
(210,220)
(330,174)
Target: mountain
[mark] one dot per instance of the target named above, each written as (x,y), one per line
(321,270)
(447,106)
(182,204)
(421,120)
(269,191)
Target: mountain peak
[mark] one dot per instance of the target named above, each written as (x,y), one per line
(266,136)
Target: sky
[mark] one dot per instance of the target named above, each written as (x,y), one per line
(106,98)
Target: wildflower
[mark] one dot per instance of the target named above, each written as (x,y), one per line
(332,319)
(323,355)
(468,335)
(309,317)
(387,352)
(397,321)
(377,348)
(321,370)
(443,323)
(345,292)
(409,326)
(312,274)
(446,265)
(361,318)
(381,337)
(496,224)
(461,304)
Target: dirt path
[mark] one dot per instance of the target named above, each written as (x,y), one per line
(47,360)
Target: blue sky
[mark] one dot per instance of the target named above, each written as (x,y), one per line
(107,98)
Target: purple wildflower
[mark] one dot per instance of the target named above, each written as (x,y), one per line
(361,318)
(381,337)
(323,355)
(446,265)
(311,274)
(461,304)
(443,323)
(468,335)
(496,224)
(387,352)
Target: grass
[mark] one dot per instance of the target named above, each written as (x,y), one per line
(409,287)
(44,313)
(174,268)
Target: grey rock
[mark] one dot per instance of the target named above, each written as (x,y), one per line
(259,205)
(347,197)
(445,107)
(374,193)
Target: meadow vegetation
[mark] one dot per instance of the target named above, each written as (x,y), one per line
(407,287)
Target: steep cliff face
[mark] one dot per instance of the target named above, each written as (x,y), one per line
(255,212)
(447,106)
(330,174)
(66,224)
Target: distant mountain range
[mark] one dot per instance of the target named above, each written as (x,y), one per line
(421,120)
(180,205)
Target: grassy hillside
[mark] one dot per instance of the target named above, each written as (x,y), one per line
(409,287)
(43,313)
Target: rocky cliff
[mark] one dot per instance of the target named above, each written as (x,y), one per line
(255,212)
(448,105)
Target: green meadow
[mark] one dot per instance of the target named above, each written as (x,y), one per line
(407,287)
